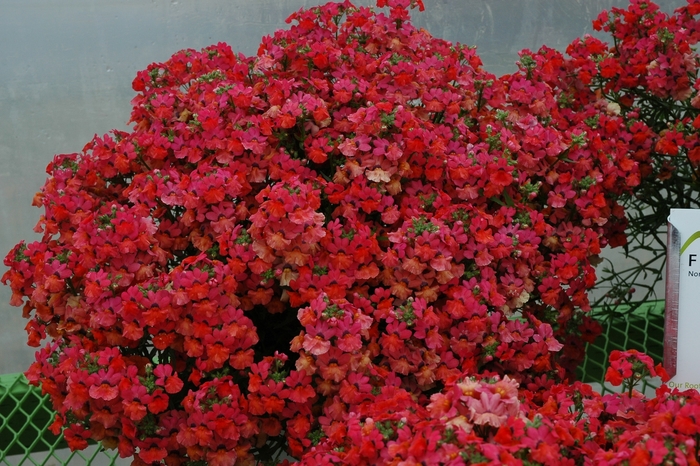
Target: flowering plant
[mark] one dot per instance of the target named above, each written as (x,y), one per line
(648,74)
(631,367)
(356,247)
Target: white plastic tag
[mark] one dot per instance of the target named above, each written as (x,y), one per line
(682,318)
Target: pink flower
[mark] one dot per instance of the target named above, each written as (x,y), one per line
(487,409)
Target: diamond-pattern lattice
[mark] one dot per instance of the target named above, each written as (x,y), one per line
(25,414)
(641,329)
(25,440)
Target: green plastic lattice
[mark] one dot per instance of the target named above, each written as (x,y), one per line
(25,439)
(642,329)
(25,414)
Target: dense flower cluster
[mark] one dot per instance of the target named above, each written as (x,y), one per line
(472,422)
(356,247)
(649,74)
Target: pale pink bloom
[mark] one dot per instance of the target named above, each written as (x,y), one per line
(488,409)
(316,345)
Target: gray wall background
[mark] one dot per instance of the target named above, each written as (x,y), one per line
(66,68)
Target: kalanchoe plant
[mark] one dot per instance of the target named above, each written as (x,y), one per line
(356,247)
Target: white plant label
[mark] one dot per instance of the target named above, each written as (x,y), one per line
(682,320)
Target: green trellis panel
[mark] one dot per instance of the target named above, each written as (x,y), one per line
(641,329)
(25,414)
(25,439)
